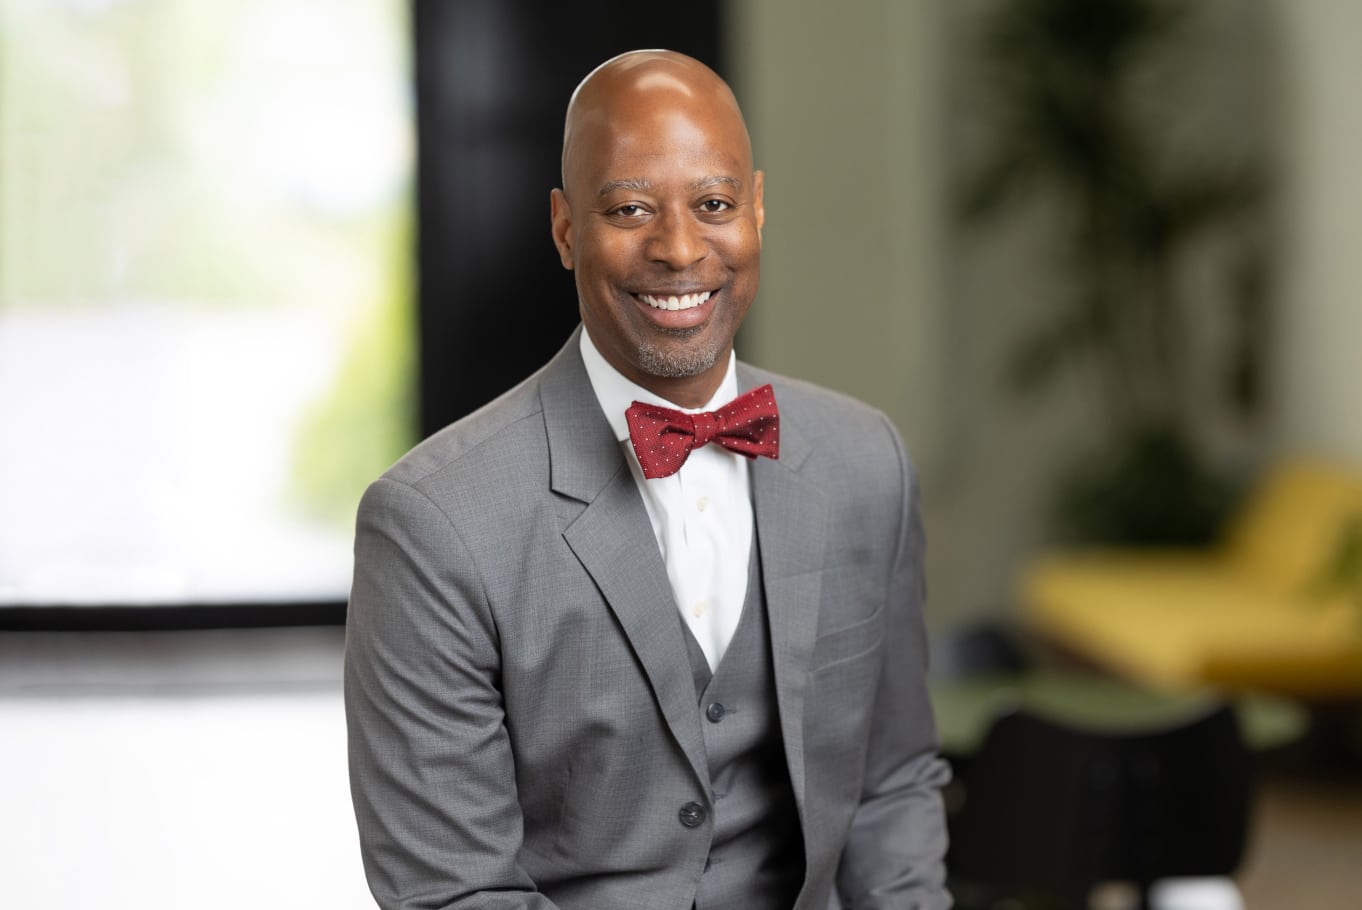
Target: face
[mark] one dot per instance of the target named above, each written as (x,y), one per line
(661,223)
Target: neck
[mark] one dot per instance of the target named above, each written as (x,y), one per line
(686,391)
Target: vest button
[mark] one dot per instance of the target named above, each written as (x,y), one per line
(692,815)
(715,712)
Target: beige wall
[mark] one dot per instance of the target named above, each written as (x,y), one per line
(1319,345)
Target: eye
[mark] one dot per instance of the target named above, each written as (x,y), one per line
(628,210)
(715,206)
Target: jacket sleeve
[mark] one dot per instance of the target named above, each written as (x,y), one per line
(894,856)
(431,770)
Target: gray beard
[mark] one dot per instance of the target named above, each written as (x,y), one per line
(677,364)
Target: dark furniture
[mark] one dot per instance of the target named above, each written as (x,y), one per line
(1046,810)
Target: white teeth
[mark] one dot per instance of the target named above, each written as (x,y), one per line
(684,302)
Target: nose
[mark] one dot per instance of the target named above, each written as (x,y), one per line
(676,241)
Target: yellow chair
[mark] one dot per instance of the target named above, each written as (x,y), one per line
(1250,614)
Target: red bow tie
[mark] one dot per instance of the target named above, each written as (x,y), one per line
(663,437)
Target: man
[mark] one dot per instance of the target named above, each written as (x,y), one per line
(580,676)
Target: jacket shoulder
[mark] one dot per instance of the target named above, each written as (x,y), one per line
(511,421)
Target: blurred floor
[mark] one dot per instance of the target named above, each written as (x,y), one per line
(175,770)
(1306,850)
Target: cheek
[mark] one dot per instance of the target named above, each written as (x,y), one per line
(608,250)
(742,250)
(745,237)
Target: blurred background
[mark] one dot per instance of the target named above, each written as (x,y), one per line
(1094,257)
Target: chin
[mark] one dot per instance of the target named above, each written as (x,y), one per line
(678,364)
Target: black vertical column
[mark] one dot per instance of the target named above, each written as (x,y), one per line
(493,78)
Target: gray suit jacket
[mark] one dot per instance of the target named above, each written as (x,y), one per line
(522,719)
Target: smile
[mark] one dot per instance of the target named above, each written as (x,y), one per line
(684,302)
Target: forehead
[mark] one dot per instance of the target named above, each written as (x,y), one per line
(660,142)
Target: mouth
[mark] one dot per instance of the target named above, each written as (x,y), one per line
(673,302)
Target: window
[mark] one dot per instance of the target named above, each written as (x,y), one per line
(206,340)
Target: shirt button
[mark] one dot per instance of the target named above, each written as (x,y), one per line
(700,608)
(692,815)
(715,712)
(702,503)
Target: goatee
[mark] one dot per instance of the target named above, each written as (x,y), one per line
(680,363)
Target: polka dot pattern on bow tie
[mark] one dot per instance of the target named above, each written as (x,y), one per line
(663,438)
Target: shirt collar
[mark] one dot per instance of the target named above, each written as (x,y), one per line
(616,393)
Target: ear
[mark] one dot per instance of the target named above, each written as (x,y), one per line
(758,208)
(560,220)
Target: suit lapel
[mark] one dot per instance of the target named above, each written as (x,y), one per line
(613,539)
(791,519)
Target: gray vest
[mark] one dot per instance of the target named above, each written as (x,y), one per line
(756,859)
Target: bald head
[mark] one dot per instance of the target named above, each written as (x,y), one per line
(639,83)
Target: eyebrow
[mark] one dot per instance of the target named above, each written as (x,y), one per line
(638,184)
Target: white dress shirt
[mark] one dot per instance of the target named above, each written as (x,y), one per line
(701,515)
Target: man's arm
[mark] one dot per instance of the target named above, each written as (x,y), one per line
(894,857)
(431,769)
